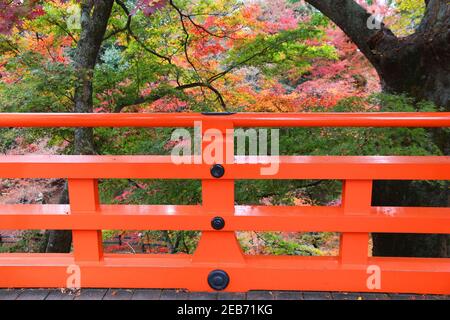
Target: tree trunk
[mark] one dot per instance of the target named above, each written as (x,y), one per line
(59,241)
(416,65)
(94,20)
(413,194)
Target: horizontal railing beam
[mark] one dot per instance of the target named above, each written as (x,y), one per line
(253,218)
(316,119)
(290,167)
(424,275)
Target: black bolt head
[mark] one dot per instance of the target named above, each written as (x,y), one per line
(218,279)
(218,223)
(217,171)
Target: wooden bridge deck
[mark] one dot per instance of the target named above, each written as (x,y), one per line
(154,294)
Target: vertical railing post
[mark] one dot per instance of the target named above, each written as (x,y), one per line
(84,199)
(356,200)
(218,201)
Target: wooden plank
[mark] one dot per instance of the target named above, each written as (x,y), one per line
(91,294)
(59,295)
(260,295)
(288,295)
(232,296)
(10,294)
(156,294)
(346,296)
(118,294)
(169,294)
(33,294)
(146,294)
(311,295)
(403,296)
(437,297)
(374,296)
(202,296)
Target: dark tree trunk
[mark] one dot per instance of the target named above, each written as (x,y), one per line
(417,65)
(59,240)
(94,20)
(413,194)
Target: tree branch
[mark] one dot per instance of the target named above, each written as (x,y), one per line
(127,25)
(56,23)
(186,40)
(135,37)
(153,97)
(352,19)
(199,84)
(436,18)
(236,65)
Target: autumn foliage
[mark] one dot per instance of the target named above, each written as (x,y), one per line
(264,56)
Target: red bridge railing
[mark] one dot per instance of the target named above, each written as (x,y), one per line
(218,262)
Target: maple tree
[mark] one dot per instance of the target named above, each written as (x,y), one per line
(208,59)
(13,12)
(408,62)
(202,67)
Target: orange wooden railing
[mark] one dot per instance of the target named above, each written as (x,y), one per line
(218,260)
